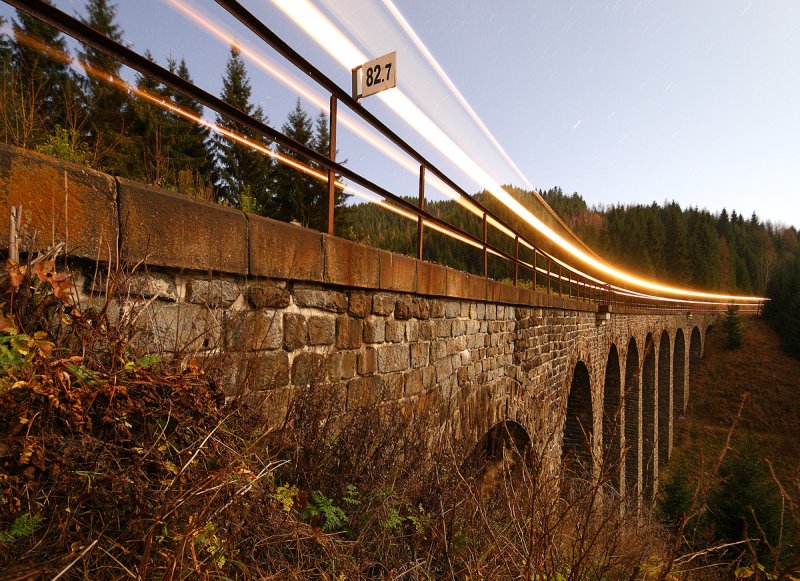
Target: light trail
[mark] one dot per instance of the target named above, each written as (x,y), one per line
(276,72)
(318,27)
(423,49)
(398,16)
(160,101)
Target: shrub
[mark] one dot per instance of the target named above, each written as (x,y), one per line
(732,325)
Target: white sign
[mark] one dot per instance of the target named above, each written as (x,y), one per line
(379,74)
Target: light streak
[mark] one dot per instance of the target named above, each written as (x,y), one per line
(308,18)
(160,101)
(398,16)
(349,122)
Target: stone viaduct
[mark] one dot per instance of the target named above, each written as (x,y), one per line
(278,307)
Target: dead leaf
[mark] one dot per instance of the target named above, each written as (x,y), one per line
(27,452)
(44,270)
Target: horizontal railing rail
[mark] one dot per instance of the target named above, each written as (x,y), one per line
(556,277)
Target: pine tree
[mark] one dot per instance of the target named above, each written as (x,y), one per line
(732,325)
(5,47)
(44,93)
(321,142)
(108,107)
(149,126)
(192,162)
(299,196)
(244,173)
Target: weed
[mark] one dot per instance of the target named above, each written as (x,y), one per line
(320,507)
(24,525)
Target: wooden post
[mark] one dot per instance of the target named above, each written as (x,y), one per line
(13,233)
(332,157)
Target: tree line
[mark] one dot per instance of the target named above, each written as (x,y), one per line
(690,247)
(47,106)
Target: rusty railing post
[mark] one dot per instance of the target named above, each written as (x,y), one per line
(516,258)
(549,276)
(332,156)
(485,247)
(560,280)
(420,225)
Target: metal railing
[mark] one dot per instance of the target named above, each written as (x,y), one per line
(547,273)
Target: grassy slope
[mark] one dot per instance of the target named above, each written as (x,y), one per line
(771,380)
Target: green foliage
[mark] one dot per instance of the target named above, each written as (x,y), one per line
(84,375)
(213,544)
(18,350)
(393,519)
(675,497)
(732,325)
(66,144)
(286,495)
(747,502)
(24,525)
(422,521)
(351,495)
(243,172)
(322,507)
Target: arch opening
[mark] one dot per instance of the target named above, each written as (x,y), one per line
(502,438)
(612,416)
(664,408)
(501,448)
(695,346)
(632,393)
(679,376)
(576,450)
(648,417)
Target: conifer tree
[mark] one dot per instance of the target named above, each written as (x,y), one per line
(732,325)
(5,47)
(44,92)
(297,194)
(107,107)
(244,173)
(321,142)
(303,198)
(149,126)
(191,159)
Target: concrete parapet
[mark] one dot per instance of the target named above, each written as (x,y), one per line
(167,229)
(61,202)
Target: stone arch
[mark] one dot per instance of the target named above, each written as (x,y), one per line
(679,376)
(664,401)
(632,418)
(612,418)
(648,416)
(576,449)
(501,437)
(695,346)
(499,449)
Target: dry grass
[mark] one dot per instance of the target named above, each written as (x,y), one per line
(136,469)
(771,380)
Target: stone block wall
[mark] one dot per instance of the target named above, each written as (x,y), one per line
(272,309)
